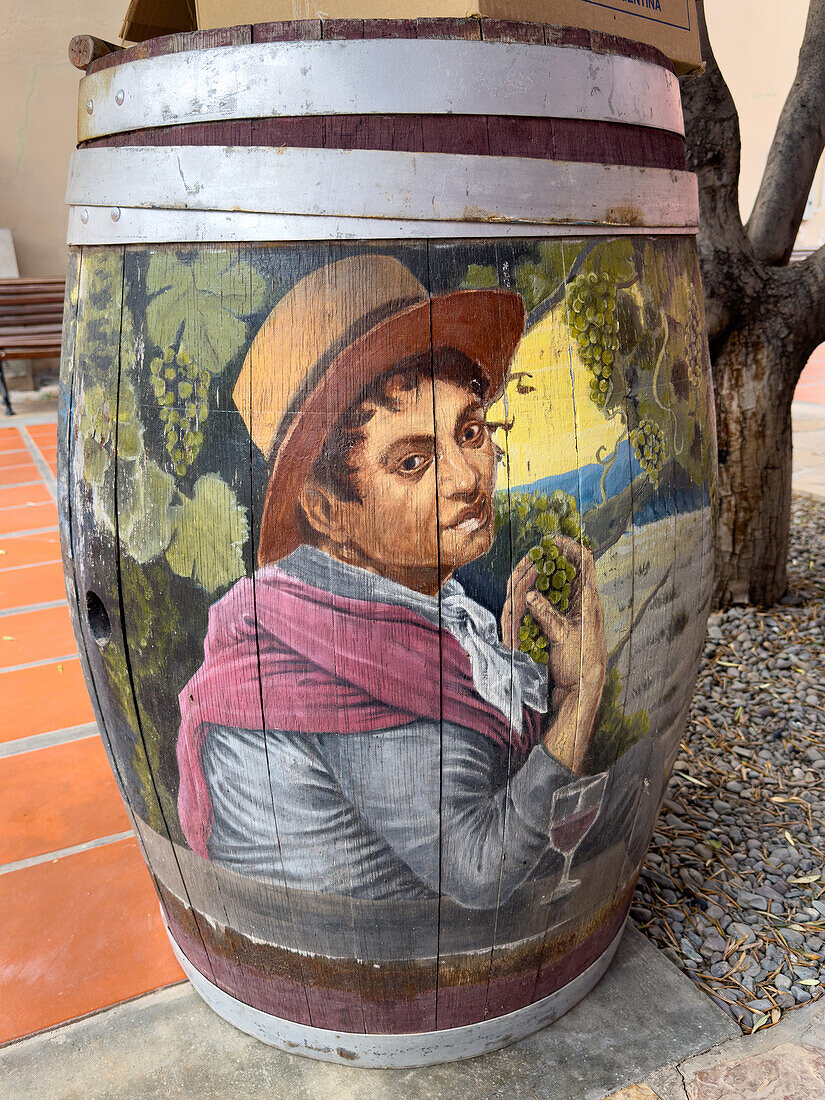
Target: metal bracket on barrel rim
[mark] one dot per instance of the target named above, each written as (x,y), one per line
(382,76)
(200,193)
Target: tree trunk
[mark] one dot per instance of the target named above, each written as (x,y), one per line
(764,315)
(753,410)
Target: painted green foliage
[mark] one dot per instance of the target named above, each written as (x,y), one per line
(195,318)
(203,298)
(171,530)
(618,731)
(212,508)
(177,500)
(635,325)
(154,514)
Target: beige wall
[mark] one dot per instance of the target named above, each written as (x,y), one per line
(38,104)
(756,45)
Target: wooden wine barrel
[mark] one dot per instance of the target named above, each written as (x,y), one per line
(387,471)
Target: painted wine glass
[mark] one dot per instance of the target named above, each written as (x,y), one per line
(575,811)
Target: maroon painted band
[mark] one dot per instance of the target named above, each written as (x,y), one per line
(302,30)
(542,138)
(327,993)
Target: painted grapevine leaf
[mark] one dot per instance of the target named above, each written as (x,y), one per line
(97,425)
(146,516)
(101,283)
(211,295)
(617,731)
(102,422)
(479,276)
(617,257)
(209,535)
(631,329)
(537,279)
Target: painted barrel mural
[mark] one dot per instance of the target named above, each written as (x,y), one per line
(388,462)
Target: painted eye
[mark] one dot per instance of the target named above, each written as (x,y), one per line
(472,432)
(412,463)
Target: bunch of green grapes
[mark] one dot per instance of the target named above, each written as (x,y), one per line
(182,392)
(555,576)
(547,515)
(594,321)
(694,342)
(531,640)
(649,446)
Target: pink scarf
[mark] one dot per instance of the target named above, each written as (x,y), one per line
(321,663)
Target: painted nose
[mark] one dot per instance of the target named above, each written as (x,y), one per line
(456,476)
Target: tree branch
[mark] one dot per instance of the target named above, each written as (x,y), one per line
(712,137)
(795,152)
(814,265)
(713,152)
(797,296)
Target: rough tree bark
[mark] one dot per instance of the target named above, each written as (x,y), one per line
(765,316)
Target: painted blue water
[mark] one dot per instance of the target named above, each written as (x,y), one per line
(589,477)
(584,485)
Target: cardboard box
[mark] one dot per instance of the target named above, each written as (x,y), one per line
(670,25)
(153,18)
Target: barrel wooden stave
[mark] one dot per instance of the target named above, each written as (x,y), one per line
(332,960)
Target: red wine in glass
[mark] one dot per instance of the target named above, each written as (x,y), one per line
(575,809)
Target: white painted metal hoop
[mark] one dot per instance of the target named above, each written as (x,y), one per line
(397,1051)
(94,225)
(365,184)
(382,76)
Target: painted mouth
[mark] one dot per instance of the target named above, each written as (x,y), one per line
(474,518)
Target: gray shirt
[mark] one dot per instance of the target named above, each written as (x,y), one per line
(410,812)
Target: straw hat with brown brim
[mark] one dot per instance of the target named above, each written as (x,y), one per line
(332,334)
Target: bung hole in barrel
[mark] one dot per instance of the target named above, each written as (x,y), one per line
(98,617)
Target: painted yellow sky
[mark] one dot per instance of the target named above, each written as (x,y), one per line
(556,427)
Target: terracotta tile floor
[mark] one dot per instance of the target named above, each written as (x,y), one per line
(41,699)
(79,933)
(39,635)
(79,923)
(809,428)
(17,585)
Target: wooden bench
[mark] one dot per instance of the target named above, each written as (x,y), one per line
(31,322)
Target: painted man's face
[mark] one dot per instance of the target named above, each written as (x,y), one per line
(425,472)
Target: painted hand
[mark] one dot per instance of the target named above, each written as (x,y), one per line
(576,647)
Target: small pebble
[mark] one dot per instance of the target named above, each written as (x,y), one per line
(738,838)
(741,931)
(751,901)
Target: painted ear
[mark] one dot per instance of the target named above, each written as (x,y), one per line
(317,506)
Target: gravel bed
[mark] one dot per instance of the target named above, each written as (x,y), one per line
(733,888)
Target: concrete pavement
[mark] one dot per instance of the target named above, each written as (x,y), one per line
(809,447)
(644,1015)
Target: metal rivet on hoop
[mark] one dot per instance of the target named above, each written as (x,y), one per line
(119,97)
(89,106)
(116,214)
(84,215)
